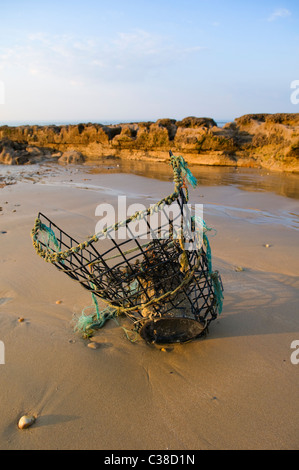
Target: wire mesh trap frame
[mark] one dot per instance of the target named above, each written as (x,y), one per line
(169,292)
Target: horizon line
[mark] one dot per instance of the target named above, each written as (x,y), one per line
(56,122)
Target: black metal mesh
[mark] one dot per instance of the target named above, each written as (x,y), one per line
(133,272)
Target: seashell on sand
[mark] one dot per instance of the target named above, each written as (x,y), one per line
(26,421)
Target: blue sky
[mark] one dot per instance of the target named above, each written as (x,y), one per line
(96,61)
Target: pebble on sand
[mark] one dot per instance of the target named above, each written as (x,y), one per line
(93,345)
(21,319)
(239,269)
(58,302)
(26,421)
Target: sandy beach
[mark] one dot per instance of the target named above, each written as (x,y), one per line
(234,389)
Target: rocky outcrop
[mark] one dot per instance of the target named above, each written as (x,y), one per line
(254,140)
(71,156)
(20,153)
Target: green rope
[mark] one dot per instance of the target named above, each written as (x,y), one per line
(218,293)
(208,251)
(186,172)
(50,237)
(87,323)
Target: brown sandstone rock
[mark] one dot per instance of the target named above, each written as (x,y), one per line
(262,140)
(195,122)
(71,156)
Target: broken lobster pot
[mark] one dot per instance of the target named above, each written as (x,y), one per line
(162,279)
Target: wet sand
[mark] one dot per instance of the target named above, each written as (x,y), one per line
(234,389)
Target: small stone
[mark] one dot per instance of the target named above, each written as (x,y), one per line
(93,345)
(21,319)
(26,421)
(267,245)
(58,302)
(239,269)
(71,156)
(163,350)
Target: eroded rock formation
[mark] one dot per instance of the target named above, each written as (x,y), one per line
(254,140)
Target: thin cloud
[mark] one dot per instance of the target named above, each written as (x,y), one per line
(128,56)
(279,13)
